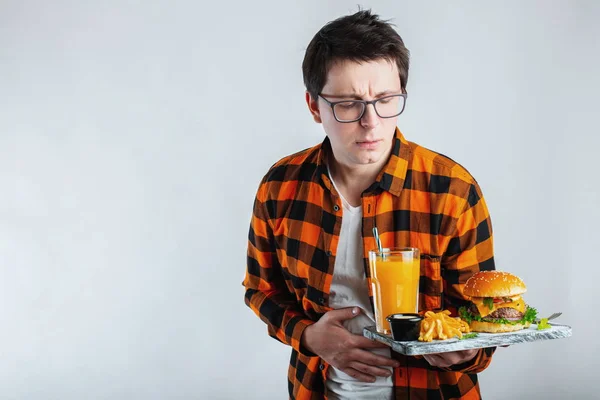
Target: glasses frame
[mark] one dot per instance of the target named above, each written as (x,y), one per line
(365,103)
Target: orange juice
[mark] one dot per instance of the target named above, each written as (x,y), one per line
(395,283)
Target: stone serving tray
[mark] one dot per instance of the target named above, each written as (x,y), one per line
(415,347)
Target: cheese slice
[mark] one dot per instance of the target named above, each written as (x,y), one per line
(517,303)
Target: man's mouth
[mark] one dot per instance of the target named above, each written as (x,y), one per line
(369,144)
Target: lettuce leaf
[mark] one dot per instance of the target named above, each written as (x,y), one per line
(543,324)
(489,301)
(529,316)
(469,336)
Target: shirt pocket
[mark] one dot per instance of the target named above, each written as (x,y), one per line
(430,284)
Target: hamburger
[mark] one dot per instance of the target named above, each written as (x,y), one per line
(496,303)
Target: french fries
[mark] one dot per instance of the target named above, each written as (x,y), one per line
(441,326)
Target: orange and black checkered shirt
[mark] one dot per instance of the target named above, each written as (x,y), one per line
(420,199)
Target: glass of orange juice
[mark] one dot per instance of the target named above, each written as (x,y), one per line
(395,283)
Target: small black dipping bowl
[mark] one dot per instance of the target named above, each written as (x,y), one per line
(405,327)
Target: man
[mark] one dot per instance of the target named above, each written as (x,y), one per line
(311,229)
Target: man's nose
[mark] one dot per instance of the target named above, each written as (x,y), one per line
(370,118)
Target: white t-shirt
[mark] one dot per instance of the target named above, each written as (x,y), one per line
(348,289)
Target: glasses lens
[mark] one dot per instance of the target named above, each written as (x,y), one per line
(348,110)
(390,106)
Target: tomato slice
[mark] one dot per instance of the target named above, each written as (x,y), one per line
(502,300)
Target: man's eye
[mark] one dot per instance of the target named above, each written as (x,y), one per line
(347,105)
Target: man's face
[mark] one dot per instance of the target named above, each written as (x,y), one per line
(368,140)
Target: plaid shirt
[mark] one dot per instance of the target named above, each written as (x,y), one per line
(420,199)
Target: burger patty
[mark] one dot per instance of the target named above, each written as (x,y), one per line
(504,312)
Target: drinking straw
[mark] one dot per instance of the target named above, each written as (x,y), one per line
(376,234)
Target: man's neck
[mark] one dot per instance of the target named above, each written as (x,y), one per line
(351,181)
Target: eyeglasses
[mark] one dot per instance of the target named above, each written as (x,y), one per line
(353,110)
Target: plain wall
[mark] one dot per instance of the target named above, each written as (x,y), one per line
(133,136)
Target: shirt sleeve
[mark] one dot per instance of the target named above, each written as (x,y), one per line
(469,251)
(266,291)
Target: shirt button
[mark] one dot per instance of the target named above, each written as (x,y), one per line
(322,367)
(328,253)
(321,300)
(336,208)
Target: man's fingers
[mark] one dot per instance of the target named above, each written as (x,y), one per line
(436,360)
(343,314)
(370,370)
(432,357)
(356,374)
(365,343)
(368,358)
(451,358)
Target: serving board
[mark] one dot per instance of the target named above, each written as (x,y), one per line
(413,348)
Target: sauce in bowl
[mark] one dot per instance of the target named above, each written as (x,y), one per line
(405,327)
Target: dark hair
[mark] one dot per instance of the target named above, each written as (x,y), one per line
(358,37)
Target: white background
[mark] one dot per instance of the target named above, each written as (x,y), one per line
(133,136)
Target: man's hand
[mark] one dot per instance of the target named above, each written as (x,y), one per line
(331,341)
(444,360)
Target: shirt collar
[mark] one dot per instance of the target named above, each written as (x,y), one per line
(392,176)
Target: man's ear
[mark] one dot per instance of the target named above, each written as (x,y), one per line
(313,107)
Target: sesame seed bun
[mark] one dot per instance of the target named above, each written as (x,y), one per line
(494,284)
